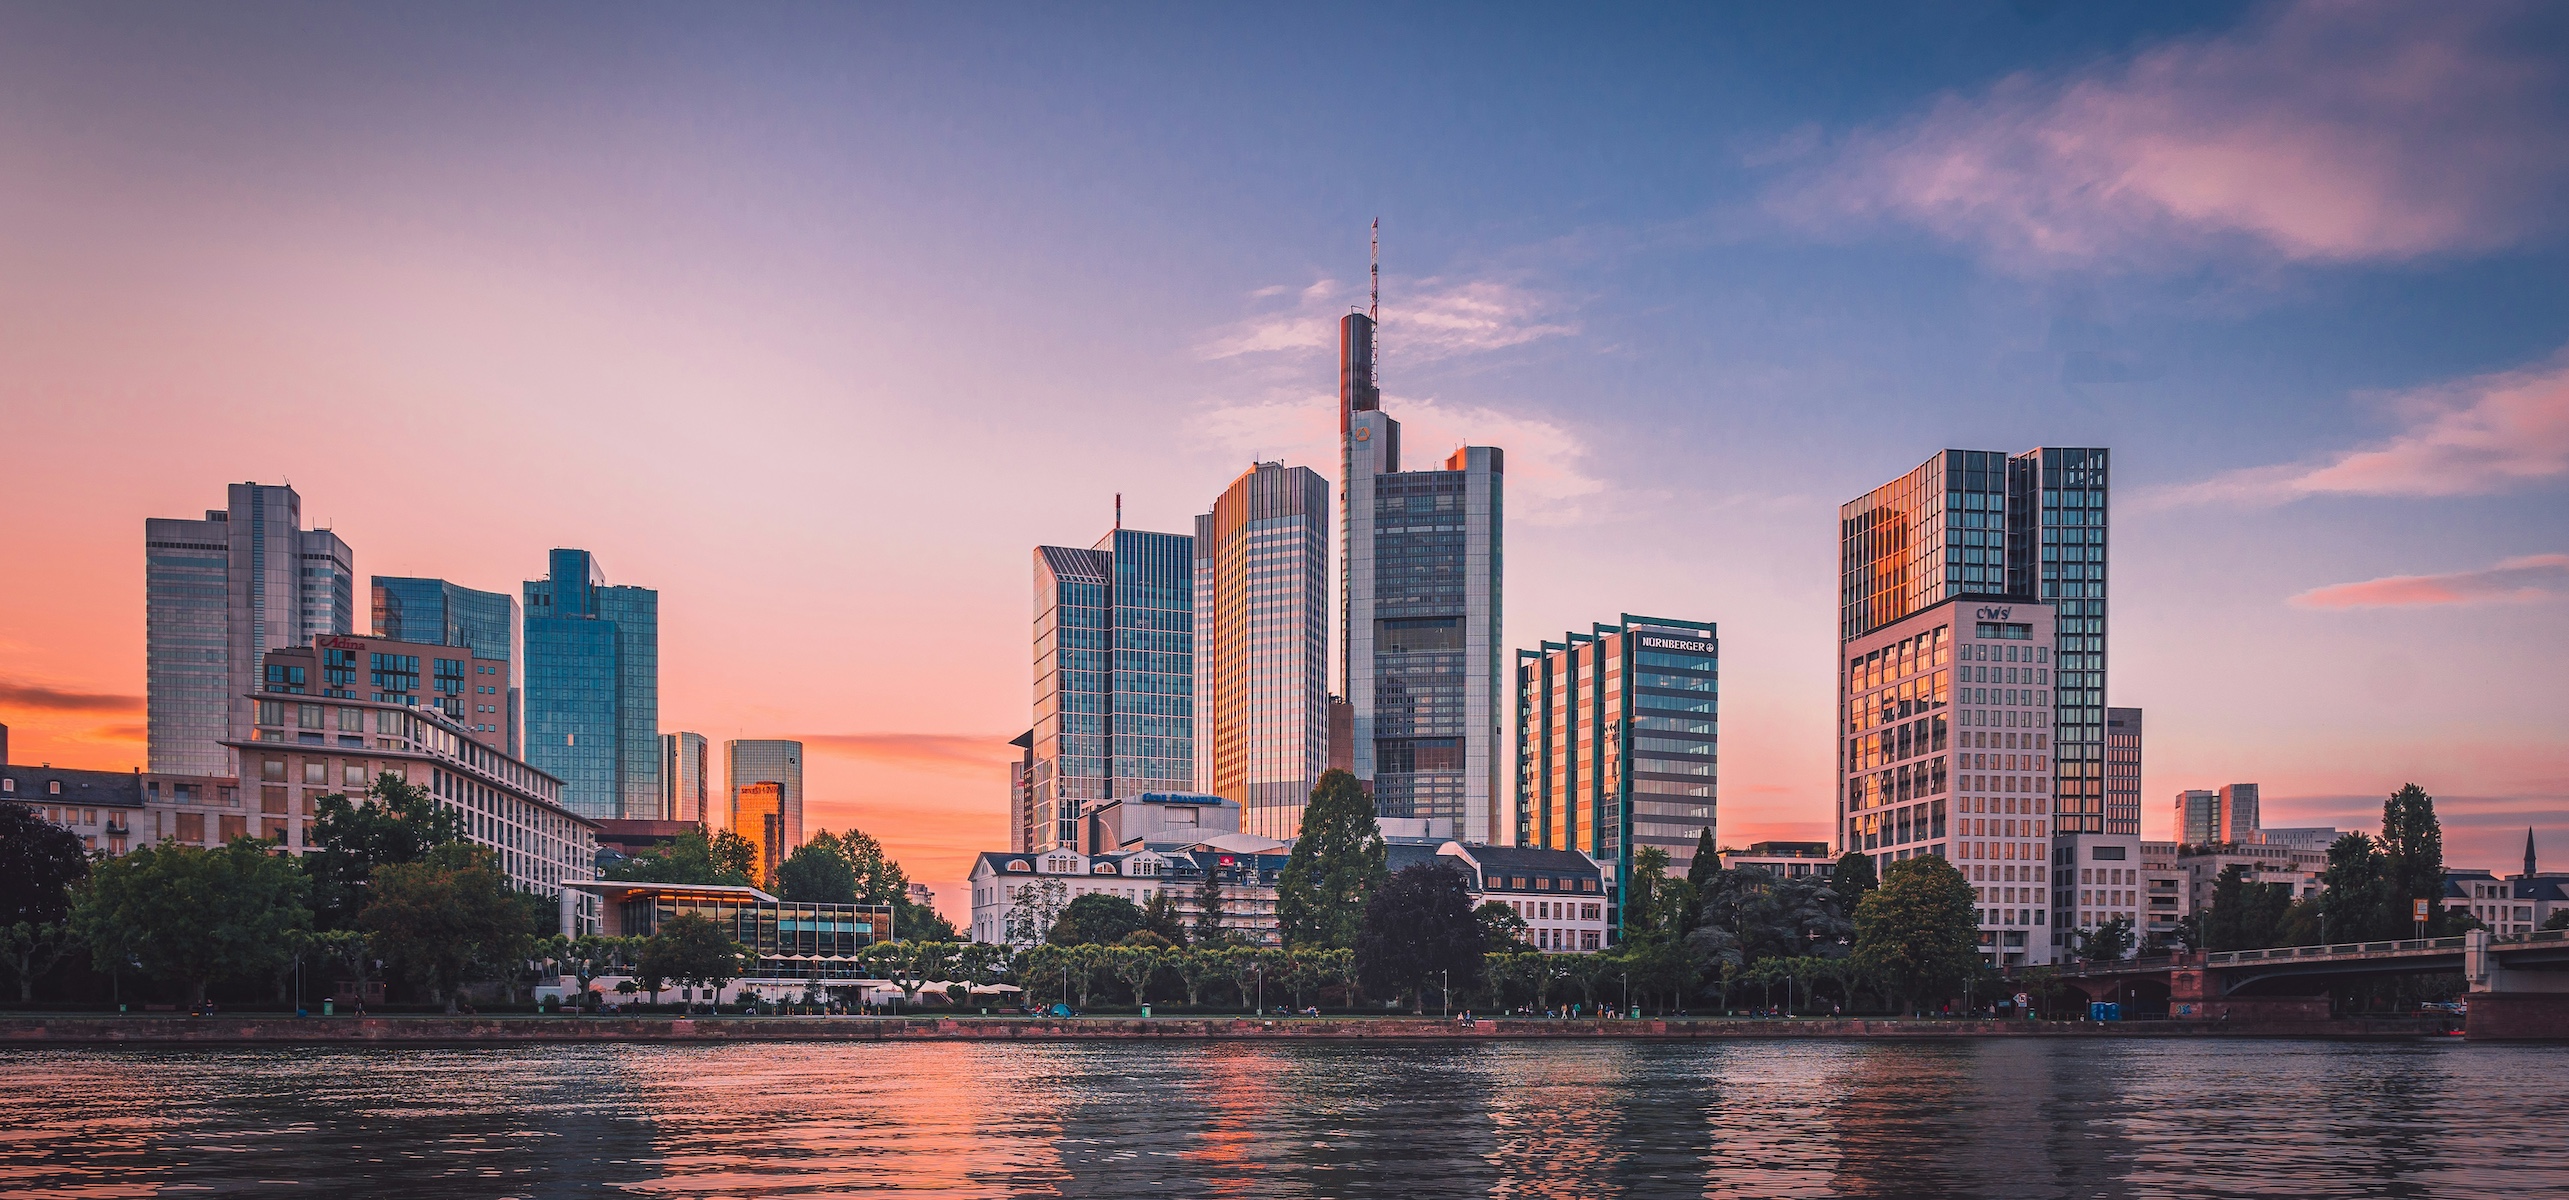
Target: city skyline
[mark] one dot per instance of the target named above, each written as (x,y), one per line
(1699,308)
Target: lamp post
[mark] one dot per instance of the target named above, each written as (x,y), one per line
(1261,970)
(1447,1008)
(1626,977)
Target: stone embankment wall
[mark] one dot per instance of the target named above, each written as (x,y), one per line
(163,1031)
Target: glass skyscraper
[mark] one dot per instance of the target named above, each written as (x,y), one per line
(748,762)
(1618,743)
(1114,676)
(686,778)
(1419,624)
(435,612)
(218,595)
(1262,645)
(593,689)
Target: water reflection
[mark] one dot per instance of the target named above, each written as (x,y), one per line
(2022,1118)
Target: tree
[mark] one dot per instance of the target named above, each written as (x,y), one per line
(442,918)
(1250,967)
(1135,965)
(1502,930)
(723,860)
(1034,908)
(39,863)
(1160,916)
(2245,914)
(28,950)
(1645,894)
(693,951)
(1336,863)
(392,823)
(1747,914)
(1096,919)
(2108,942)
(1851,879)
(189,914)
(2354,892)
(1918,933)
(1699,876)
(2559,919)
(815,873)
(2413,852)
(1419,926)
(1209,931)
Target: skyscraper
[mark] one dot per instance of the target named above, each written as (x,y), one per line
(220,593)
(1419,627)
(758,814)
(435,612)
(2123,771)
(2240,821)
(1972,679)
(1114,654)
(1262,645)
(2198,817)
(686,779)
(748,762)
(593,689)
(1617,743)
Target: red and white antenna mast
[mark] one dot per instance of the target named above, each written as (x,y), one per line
(1374,313)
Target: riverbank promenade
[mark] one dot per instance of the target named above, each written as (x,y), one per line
(96,1030)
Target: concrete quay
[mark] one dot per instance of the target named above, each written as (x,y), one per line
(33,1031)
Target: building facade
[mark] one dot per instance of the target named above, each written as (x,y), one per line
(1559,894)
(686,779)
(758,815)
(218,595)
(1419,630)
(1013,894)
(454,680)
(1262,645)
(2123,771)
(1784,860)
(1618,744)
(1114,672)
(788,943)
(749,761)
(593,688)
(436,612)
(1021,794)
(2239,818)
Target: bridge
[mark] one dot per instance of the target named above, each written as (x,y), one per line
(2519,986)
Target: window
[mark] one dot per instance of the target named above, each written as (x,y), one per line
(316,770)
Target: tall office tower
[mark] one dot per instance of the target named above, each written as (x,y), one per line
(2198,817)
(1959,583)
(2239,820)
(1262,646)
(1617,743)
(686,779)
(435,612)
(2123,771)
(593,689)
(1021,794)
(1419,623)
(758,814)
(1114,676)
(749,762)
(218,595)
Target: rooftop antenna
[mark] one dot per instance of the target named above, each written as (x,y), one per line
(1374,314)
(1119,512)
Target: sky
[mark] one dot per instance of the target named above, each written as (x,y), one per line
(818,318)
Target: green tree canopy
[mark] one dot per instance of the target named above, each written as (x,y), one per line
(1160,916)
(1706,863)
(1919,932)
(1337,862)
(1502,930)
(440,919)
(2107,942)
(817,873)
(2245,914)
(1420,930)
(2413,852)
(1096,919)
(691,951)
(1209,931)
(2354,891)
(391,822)
(189,915)
(39,863)
(691,857)
(1647,897)
(1852,878)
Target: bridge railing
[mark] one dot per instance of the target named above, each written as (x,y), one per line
(2219,958)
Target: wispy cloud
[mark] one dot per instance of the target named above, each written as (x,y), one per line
(2515,580)
(40,698)
(2478,435)
(972,752)
(2321,131)
(1429,319)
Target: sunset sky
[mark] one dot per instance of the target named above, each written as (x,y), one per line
(817,319)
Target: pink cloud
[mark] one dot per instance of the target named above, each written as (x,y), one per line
(2323,131)
(2513,580)
(2481,434)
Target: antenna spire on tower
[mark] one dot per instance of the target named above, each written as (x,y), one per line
(1374,313)
(1119,512)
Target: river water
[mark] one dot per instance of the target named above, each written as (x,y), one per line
(2012,1117)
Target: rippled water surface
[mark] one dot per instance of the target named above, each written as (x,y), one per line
(1999,1117)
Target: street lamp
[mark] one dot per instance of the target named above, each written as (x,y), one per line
(1447,1008)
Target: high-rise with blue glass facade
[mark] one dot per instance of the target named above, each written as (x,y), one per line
(218,595)
(1419,627)
(437,613)
(593,689)
(1114,676)
(1262,645)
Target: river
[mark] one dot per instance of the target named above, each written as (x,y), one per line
(2013,1117)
